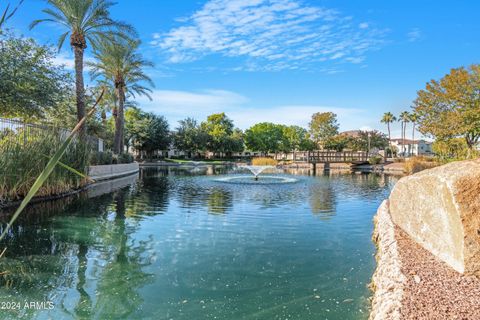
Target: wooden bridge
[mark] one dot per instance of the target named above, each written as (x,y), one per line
(314,157)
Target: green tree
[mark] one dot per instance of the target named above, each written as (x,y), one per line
(366,139)
(30,82)
(323,126)
(454,148)
(388,118)
(149,133)
(86,21)
(297,139)
(190,137)
(219,129)
(404,118)
(235,142)
(450,107)
(120,66)
(337,143)
(264,137)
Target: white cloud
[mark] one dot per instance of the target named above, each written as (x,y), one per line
(291,115)
(363,25)
(268,35)
(65,59)
(414,35)
(176,105)
(62,59)
(180,104)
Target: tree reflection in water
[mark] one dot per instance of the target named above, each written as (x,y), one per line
(88,249)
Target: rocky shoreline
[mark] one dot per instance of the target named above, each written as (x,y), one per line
(411,283)
(427,246)
(388,280)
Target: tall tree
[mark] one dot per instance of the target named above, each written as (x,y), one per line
(189,136)
(150,132)
(219,129)
(413,119)
(450,107)
(404,118)
(264,137)
(297,138)
(323,126)
(87,21)
(119,64)
(388,118)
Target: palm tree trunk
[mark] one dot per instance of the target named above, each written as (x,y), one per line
(79,86)
(413,136)
(119,122)
(389,139)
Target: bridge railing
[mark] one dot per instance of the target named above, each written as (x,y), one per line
(322,156)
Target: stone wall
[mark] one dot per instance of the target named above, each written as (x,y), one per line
(439,208)
(111,171)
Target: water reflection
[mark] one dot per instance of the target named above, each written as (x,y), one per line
(322,200)
(219,201)
(79,255)
(178,244)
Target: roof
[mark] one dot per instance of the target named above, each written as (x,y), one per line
(409,141)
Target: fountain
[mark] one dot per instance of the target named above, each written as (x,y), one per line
(256,171)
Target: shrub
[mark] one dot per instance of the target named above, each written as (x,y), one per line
(101,158)
(107,157)
(417,164)
(264,162)
(375,160)
(124,158)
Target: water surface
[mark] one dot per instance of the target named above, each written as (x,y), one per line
(179,244)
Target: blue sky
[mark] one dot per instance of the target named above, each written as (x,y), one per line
(282,60)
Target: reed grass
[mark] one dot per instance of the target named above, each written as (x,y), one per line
(263,161)
(51,165)
(22,160)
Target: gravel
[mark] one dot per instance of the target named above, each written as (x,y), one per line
(433,290)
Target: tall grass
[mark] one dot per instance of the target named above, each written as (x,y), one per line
(264,162)
(49,168)
(419,163)
(22,159)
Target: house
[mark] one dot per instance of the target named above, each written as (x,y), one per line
(408,147)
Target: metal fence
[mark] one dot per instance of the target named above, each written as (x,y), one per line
(22,132)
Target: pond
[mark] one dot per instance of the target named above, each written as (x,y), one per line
(181,243)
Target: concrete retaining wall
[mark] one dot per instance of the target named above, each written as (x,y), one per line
(111,171)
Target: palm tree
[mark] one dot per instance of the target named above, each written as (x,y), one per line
(87,21)
(7,14)
(413,119)
(404,118)
(120,65)
(388,118)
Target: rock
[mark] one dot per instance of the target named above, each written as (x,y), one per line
(416,278)
(439,208)
(387,281)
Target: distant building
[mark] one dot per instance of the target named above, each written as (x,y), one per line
(408,147)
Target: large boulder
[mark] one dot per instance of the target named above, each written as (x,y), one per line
(440,209)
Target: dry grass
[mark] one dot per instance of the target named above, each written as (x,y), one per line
(264,162)
(417,164)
